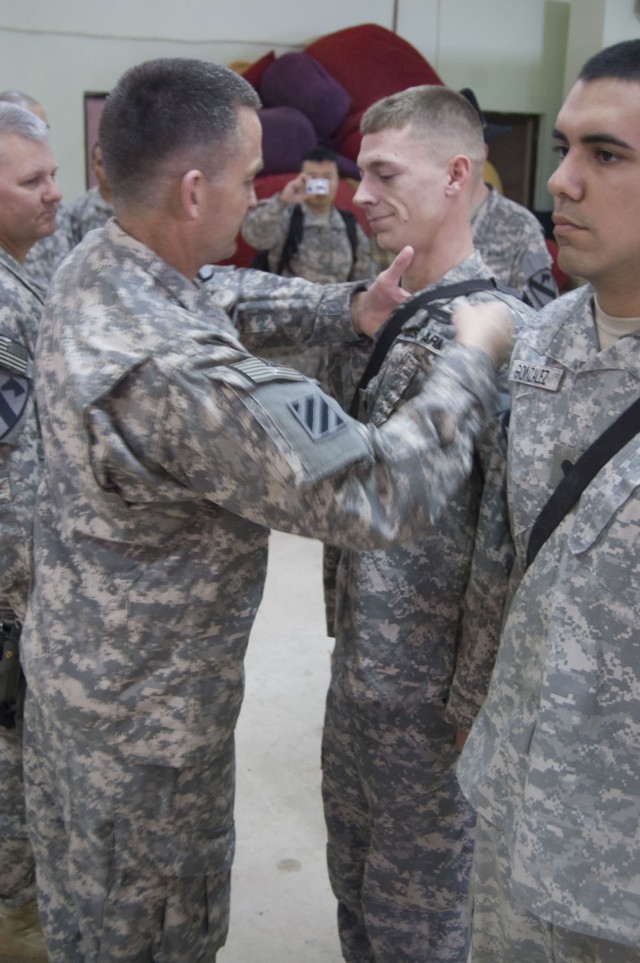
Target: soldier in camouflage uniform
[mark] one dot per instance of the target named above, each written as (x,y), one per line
(28,201)
(551,764)
(93,208)
(47,254)
(511,242)
(509,237)
(416,632)
(43,258)
(169,452)
(324,254)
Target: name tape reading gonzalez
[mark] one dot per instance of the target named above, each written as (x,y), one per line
(537,375)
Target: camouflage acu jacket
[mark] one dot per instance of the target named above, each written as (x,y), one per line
(420,622)
(511,242)
(169,452)
(553,757)
(20,453)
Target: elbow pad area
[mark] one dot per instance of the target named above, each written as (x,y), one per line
(311,431)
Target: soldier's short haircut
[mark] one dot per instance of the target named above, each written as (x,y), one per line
(21,122)
(321,154)
(166,109)
(443,117)
(621,61)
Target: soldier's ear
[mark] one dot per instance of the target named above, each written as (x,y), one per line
(458,173)
(191,193)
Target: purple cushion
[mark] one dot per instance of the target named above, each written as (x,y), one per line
(287,135)
(297,80)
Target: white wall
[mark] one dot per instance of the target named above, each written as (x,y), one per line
(512,52)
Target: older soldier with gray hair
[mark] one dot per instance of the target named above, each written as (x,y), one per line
(48,252)
(170,451)
(29,198)
(552,762)
(417,625)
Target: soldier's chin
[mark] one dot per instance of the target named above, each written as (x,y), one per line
(388,245)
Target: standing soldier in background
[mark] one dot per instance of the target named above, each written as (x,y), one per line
(93,208)
(301,233)
(48,252)
(28,202)
(509,237)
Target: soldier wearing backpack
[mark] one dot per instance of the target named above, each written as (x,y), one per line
(299,232)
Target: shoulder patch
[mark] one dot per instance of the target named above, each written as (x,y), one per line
(13,356)
(259,371)
(542,287)
(316,416)
(14,393)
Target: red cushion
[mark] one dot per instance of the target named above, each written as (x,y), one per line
(348,135)
(254,71)
(371,62)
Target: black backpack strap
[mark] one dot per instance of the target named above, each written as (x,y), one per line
(295,233)
(292,240)
(406,310)
(579,475)
(352,233)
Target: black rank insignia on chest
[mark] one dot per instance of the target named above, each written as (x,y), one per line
(319,418)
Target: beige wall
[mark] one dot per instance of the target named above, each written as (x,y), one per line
(512,52)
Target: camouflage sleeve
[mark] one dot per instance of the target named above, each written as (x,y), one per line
(486,593)
(266,225)
(19,472)
(364,267)
(269,311)
(275,449)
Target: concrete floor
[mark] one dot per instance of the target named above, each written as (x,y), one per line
(282,909)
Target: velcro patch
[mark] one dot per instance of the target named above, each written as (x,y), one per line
(259,371)
(13,356)
(14,393)
(536,375)
(316,416)
(542,287)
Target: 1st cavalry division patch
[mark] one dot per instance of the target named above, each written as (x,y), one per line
(14,392)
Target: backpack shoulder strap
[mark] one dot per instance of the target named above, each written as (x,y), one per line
(579,475)
(292,240)
(350,223)
(406,310)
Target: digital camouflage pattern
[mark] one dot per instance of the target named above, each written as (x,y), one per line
(324,255)
(20,451)
(20,462)
(170,452)
(416,629)
(47,253)
(552,759)
(88,212)
(511,241)
(503,932)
